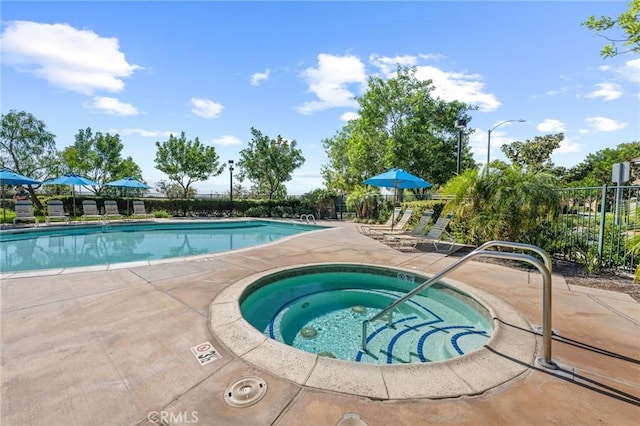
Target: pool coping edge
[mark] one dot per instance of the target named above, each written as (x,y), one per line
(506,356)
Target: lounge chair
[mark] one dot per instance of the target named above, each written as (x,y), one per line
(24,212)
(55,210)
(416,232)
(140,211)
(394,217)
(437,235)
(377,231)
(111,210)
(90,211)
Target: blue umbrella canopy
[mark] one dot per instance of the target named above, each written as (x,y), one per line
(9,177)
(397,178)
(128,182)
(72,179)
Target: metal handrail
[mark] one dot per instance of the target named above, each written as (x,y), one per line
(544,268)
(308,218)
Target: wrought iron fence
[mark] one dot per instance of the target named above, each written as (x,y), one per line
(598,226)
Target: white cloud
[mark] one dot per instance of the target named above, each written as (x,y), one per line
(258,77)
(463,87)
(563,89)
(77,60)
(145,133)
(227,140)
(604,124)
(389,65)
(630,70)
(431,56)
(449,86)
(478,144)
(329,82)
(567,146)
(551,126)
(607,91)
(205,108)
(112,106)
(348,116)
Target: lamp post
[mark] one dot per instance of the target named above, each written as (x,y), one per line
(461,124)
(489,136)
(230,188)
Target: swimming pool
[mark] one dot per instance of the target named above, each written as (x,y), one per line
(322,312)
(75,246)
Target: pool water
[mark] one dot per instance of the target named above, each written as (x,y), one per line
(322,313)
(64,247)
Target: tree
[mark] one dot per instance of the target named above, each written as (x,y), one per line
(98,157)
(596,169)
(26,147)
(320,202)
(533,155)
(185,161)
(173,190)
(400,124)
(268,164)
(627,22)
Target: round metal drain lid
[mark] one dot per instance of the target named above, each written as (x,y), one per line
(351,419)
(245,391)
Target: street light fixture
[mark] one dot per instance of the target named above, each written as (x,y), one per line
(489,136)
(461,124)
(230,188)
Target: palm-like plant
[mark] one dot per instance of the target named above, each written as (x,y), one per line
(362,201)
(504,204)
(633,245)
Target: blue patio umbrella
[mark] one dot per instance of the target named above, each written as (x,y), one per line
(72,179)
(397,179)
(128,182)
(9,177)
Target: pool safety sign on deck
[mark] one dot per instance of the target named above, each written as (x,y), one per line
(205,353)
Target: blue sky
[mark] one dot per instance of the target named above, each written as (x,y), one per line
(215,69)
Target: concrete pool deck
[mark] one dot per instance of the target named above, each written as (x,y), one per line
(112,347)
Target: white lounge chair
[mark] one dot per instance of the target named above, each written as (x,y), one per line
(55,210)
(90,211)
(24,212)
(394,217)
(377,231)
(139,210)
(416,232)
(111,210)
(437,235)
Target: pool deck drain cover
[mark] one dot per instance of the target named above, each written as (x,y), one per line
(351,419)
(245,391)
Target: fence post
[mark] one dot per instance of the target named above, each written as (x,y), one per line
(603,209)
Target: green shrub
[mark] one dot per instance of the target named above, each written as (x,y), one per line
(161,214)
(589,258)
